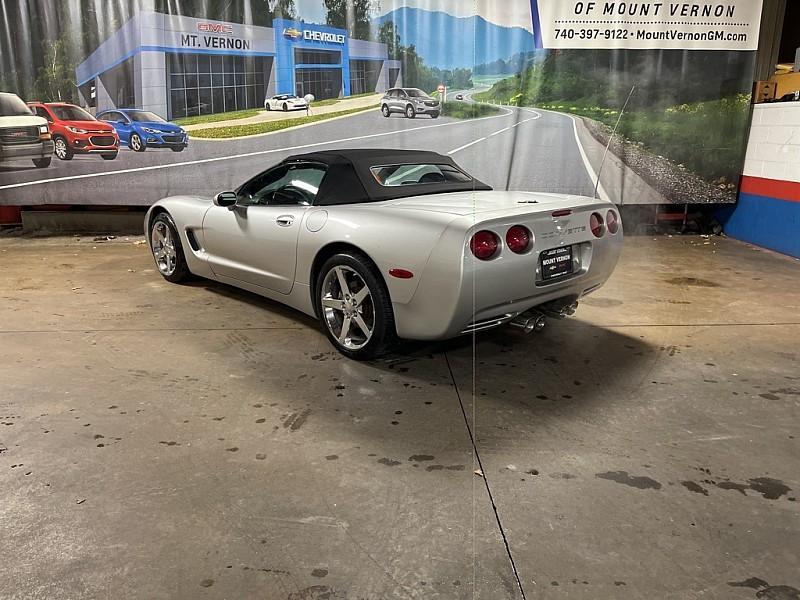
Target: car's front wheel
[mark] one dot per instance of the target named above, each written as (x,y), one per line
(42,163)
(62,149)
(165,245)
(385,110)
(137,145)
(110,156)
(435,115)
(177,148)
(410,112)
(355,307)
(285,107)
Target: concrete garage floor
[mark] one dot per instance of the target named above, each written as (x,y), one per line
(162,441)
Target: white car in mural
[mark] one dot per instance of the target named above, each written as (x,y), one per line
(386,244)
(285,102)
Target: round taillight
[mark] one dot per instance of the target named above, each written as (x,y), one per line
(612,222)
(518,239)
(596,225)
(484,245)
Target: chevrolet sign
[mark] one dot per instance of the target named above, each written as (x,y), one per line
(292,33)
(312,35)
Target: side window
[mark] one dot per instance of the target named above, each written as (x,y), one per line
(114,117)
(41,111)
(286,185)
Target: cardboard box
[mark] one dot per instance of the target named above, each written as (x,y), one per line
(764,91)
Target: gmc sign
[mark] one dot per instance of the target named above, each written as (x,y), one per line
(215,28)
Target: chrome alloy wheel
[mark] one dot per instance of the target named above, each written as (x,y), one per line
(163,245)
(61,148)
(347,307)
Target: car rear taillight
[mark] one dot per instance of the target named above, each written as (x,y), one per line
(596,225)
(518,239)
(612,222)
(484,245)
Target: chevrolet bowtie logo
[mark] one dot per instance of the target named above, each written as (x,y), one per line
(292,33)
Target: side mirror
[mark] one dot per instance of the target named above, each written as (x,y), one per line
(226,199)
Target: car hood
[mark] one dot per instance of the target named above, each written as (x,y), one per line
(89,125)
(468,203)
(166,127)
(22,121)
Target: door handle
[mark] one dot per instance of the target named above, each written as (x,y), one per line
(285,220)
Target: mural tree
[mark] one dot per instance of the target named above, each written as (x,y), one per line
(352,15)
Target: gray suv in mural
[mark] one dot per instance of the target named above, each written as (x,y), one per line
(410,102)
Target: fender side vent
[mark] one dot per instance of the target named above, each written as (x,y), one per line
(192,240)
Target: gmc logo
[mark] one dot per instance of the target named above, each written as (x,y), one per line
(17,134)
(215,28)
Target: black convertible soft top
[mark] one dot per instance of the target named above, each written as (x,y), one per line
(350,181)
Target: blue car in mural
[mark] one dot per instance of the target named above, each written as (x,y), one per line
(142,129)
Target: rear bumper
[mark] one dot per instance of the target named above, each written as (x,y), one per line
(41,149)
(448,303)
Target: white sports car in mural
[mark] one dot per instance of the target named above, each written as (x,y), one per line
(388,244)
(285,102)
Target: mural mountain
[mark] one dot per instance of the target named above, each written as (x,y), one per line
(449,42)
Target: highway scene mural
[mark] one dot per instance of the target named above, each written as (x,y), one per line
(233,87)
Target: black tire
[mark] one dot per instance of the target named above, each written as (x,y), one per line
(110,156)
(181,271)
(137,146)
(410,112)
(62,149)
(385,111)
(434,115)
(267,106)
(285,107)
(177,148)
(384,334)
(42,163)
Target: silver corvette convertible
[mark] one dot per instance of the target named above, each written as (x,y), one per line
(388,244)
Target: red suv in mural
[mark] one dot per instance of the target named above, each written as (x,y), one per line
(75,131)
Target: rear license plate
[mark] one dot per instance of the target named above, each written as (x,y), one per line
(556,262)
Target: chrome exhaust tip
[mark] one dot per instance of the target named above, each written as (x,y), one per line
(530,324)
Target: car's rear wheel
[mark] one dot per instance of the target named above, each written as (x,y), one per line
(110,156)
(385,110)
(165,245)
(62,149)
(410,112)
(137,145)
(355,307)
(42,163)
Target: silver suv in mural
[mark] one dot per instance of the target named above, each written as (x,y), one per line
(410,102)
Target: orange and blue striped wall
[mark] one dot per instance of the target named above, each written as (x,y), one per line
(767,214)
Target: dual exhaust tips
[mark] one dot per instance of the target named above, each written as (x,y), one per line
(534,320)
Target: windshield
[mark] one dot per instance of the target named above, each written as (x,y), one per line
(144,116)
(71,113)
(396,175)
(415,93)
(12,106)
(285,97)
